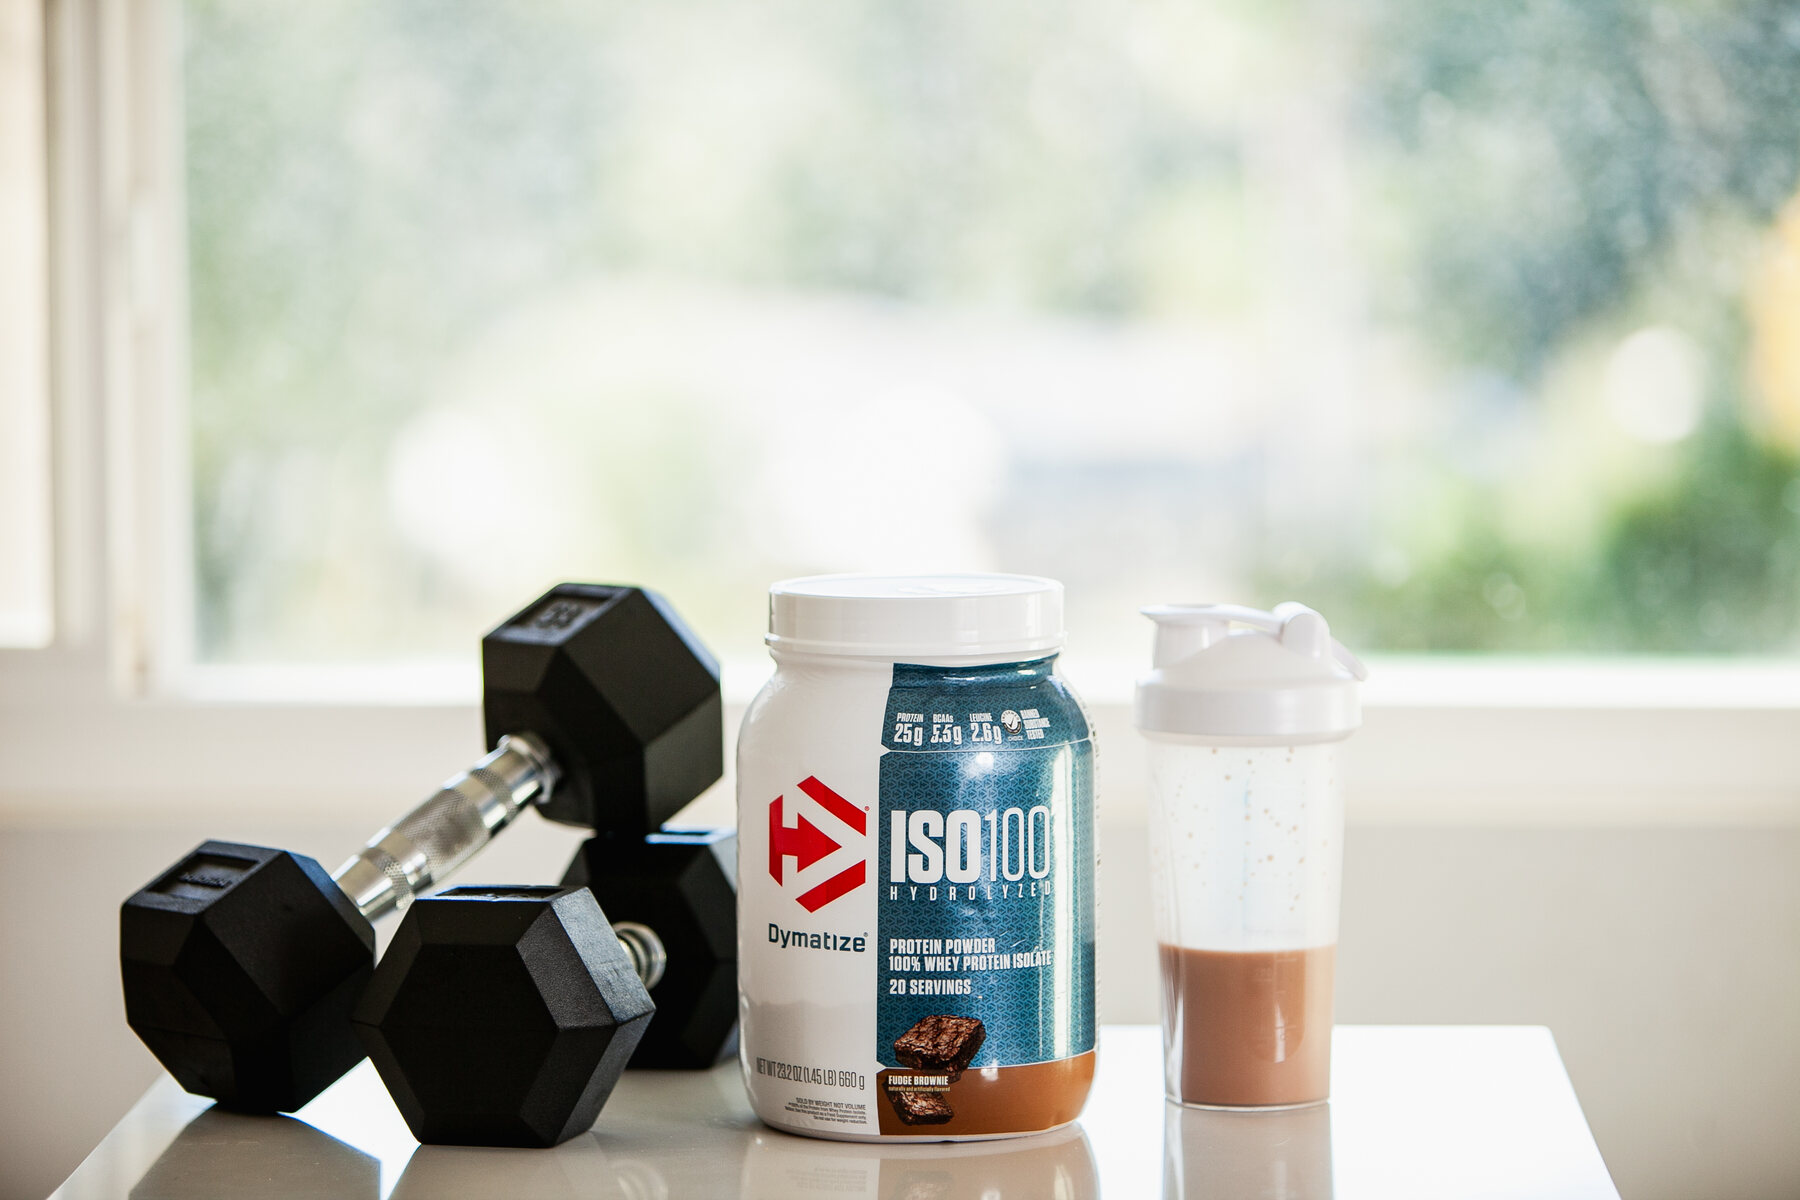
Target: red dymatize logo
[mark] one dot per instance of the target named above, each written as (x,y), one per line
(807,844)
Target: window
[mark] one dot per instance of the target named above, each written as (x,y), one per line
(1093,314)
(1472,324)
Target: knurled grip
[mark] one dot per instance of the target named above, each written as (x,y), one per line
(439,834)
(435,838)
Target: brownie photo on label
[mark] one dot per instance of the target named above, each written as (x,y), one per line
(941,1044)
(920,1108)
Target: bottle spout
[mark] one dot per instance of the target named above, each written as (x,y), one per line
(1184,629)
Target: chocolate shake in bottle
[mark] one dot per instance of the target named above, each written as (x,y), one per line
(1243,715)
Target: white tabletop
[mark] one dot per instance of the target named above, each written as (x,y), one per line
(1434,1111)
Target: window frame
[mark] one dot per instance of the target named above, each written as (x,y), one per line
(112,721)
(25,588)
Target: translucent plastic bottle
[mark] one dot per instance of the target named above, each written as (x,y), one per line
(1243,713)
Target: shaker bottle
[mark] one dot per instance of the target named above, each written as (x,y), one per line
(1243,713)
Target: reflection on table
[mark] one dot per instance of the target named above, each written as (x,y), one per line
(223,1155)
(1279,1155)
(1058,1164)
(579,1169)
(1415,1112)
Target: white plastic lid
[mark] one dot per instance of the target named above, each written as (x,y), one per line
(916,616)
(1279,676)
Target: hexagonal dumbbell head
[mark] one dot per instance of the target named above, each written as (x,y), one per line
(241,965)
(503,1016)
(625,695)
(683,885)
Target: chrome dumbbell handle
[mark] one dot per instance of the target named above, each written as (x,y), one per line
(439,835)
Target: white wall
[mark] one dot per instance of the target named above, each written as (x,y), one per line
(1666,962)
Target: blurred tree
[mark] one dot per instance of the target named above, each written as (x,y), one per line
(1553,149)
(1563,167)
(378,190)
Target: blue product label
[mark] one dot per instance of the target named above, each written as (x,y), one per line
(985,909)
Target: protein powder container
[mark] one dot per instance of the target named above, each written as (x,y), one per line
(916,863)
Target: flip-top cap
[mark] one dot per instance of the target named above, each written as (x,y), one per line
(917,616)
(1228,672)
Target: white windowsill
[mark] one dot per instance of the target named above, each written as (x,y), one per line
(1395,682)
(1459,742)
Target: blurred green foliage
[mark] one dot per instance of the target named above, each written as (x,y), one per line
(1707,564)
(1565,166)
(374,188)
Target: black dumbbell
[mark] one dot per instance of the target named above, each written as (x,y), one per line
(241,964)
(680,886)
(504,1016)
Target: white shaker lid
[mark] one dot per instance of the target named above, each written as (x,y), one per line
(917,616)
(1229,672)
